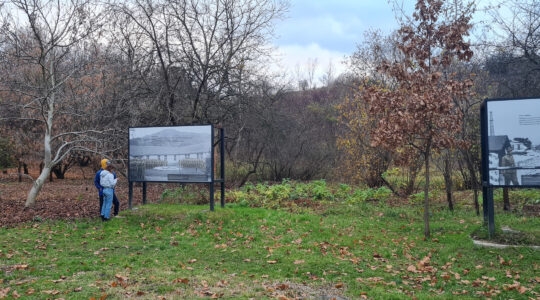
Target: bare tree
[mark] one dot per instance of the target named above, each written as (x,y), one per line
(516,26)
(40,42)
(513,48)
(193,57)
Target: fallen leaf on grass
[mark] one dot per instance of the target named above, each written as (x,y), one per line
(220,246)
(4,292)
(51,292)
(181,280)
(515,286)
(120,277)
(15,295)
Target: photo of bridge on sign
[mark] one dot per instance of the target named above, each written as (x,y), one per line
(183,154)
(170,154)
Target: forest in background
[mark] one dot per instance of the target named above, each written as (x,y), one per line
(75,76)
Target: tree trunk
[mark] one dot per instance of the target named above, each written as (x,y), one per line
(474,184)
(506,199)
(448,182)
(47,164)
(426,197)
(476,203)
(36,187)
(19,175)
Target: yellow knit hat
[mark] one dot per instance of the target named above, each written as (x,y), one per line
(104,163)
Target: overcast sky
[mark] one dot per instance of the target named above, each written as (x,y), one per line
(329,30)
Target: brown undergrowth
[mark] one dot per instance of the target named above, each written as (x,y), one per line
(72,198)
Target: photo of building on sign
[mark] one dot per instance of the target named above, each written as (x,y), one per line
(514,142)
(170,154)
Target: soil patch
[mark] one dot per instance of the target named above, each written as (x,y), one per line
(62,199)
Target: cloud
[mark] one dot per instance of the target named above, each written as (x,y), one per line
(338,25)
(327,32)
(297,61)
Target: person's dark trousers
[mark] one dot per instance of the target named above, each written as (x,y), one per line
(100,203)
(116,205)
(115,202)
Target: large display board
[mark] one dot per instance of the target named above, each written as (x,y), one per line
(511,142)
(171,154)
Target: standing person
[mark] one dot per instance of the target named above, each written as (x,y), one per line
(107,182)
(510,176)
(97,178)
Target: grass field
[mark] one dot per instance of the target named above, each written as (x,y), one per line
(341,250)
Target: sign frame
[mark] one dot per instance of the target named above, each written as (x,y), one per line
(507,124)
(175,154)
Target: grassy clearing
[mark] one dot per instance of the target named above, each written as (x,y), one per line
(348,249)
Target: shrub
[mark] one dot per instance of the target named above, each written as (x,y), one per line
(6,154)
(188,194)
(320,191)
(370,194)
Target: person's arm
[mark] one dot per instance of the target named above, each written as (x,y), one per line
(113,178)
(97,178)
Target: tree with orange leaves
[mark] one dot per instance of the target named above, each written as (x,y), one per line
(418,114)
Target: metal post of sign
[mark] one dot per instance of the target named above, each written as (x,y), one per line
(491,213)
(222,162)
(487,190)
(211,188)
(144,192)
(130,195)
(212,173)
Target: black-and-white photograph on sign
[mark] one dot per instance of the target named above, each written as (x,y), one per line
(514,142)
(170,154)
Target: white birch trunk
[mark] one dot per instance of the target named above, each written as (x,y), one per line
(47,157)
(36,187)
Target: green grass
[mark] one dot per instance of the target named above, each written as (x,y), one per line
(171,251)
